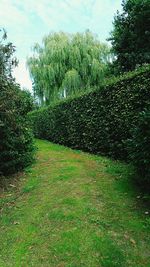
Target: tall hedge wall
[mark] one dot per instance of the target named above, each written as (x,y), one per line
(16,137)
(100,121)
(139,149)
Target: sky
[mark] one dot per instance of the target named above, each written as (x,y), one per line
(28,21)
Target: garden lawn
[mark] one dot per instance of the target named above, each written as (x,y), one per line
(73,209)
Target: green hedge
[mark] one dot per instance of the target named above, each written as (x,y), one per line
(16,142)
(139,148)
(100,121)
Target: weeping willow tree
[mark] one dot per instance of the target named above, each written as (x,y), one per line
(67,63)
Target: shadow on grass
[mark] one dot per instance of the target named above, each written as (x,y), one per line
(127,182)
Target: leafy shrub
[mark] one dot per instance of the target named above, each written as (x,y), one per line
(16,143)
(99,121)
(16,140)
(139,148)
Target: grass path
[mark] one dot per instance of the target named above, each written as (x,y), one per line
(72,209)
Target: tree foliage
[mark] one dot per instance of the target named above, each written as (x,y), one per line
(66,63)
(7,60)
(131,35)
(16,142)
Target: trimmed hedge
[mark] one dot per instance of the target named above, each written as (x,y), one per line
(139,148)
(99,121)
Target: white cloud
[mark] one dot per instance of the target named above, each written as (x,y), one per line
(102,17)
(22,75)
(11,15)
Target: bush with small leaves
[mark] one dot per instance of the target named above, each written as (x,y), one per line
(16,140)
(16,143)
(139,148)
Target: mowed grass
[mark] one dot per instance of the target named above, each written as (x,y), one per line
(73,209)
